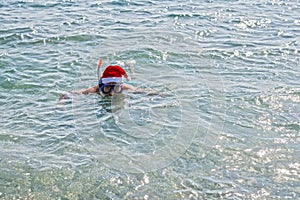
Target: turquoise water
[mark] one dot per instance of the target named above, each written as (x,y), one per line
(225,127)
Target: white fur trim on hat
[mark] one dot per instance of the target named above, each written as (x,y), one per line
(111,79)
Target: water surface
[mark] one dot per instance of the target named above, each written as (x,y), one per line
(226,125)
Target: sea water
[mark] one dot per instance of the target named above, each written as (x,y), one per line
(224,123)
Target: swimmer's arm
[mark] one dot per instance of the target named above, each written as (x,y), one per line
(137,90)
(94,89)
(128,87)
(90,90)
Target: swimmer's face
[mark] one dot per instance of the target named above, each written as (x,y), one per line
(111,88)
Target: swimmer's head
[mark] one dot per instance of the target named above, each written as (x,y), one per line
(111,80)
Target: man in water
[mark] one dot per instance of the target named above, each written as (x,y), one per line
(110,84)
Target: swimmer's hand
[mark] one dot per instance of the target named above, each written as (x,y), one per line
(61,102)
(64,96)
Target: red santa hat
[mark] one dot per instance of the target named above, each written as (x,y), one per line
(114,73)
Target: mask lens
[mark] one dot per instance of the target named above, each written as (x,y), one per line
(118,89)
(106,89)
